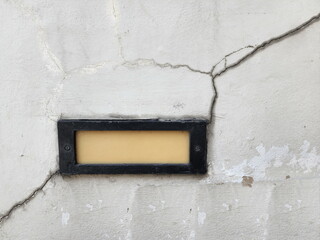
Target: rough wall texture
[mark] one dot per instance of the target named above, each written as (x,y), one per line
(252,68)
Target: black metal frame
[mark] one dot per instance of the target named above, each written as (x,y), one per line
(67,153)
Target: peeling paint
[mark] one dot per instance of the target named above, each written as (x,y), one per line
(307,160)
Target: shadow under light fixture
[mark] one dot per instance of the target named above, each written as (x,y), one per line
(132,146)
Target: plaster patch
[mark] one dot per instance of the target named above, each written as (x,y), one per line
(288,206)
(91,68)
(65,218)
(192,234)
(236,202)
(129,217)
(228,207)
(201,217)
(128,236)
(153,208)
(89,206)
(262,221)
(52,102)
(52,62)
(299,203)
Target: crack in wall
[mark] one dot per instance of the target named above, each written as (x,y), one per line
(268,43)
(23,202)
(140,62)
(255,50)
(151,62)
(228,55)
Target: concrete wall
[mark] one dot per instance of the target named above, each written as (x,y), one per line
(251,67)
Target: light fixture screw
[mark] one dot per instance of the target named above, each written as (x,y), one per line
(197,148)
(67,148)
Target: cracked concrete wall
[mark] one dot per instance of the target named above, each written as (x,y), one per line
(251,68)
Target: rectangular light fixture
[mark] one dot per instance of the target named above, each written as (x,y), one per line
(132,146)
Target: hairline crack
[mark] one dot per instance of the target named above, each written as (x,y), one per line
(23,202)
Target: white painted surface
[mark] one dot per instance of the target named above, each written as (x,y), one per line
(107,59)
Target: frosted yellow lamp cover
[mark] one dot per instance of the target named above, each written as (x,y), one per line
(132,146)
(142,147)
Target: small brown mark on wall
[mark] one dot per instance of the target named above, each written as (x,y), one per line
(247,181)
(288,176)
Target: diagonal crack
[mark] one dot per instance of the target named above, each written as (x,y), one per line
(254,51)
(21,203)
(269,42)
